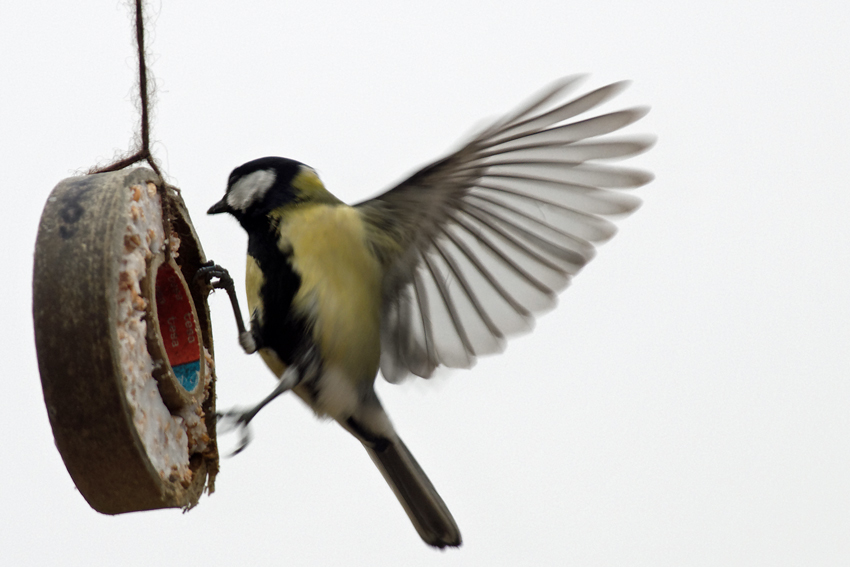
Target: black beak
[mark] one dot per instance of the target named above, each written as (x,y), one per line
(220,207)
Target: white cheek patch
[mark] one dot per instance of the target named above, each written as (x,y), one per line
(250,189)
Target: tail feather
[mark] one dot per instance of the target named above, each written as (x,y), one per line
(427,511)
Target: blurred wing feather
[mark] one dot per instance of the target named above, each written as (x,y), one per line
(477,244)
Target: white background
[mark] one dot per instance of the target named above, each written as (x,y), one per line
(686,404)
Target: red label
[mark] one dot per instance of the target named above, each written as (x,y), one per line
(176,323)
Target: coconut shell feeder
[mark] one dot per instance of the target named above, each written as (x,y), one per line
(124,342)
(123,334)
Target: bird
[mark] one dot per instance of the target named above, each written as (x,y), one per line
(436,271)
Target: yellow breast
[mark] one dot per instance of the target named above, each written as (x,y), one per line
(340,285)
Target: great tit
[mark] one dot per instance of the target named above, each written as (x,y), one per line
(434,272)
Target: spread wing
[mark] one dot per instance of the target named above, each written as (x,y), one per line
(478,243)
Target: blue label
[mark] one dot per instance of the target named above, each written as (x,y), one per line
(188,374)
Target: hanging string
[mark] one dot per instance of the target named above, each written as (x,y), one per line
(143,153)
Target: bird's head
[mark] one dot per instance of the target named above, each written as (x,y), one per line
(261,187)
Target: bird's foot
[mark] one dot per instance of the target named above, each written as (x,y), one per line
(219,278)
(233,420)
(214,275)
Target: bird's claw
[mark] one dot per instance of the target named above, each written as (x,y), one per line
(232,420)
(214,275)
(217,277)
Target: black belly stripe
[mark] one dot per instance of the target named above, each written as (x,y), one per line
(286,333)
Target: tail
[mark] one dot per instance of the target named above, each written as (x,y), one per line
(417,495)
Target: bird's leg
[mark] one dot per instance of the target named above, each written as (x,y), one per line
(291,377)
(217,277)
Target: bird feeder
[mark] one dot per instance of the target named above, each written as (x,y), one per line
(124,342)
